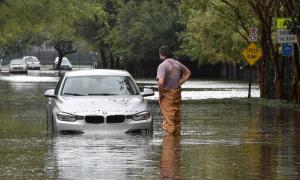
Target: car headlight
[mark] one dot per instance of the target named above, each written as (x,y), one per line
(68,117)
(141,116)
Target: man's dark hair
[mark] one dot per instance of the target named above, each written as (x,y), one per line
(165,51)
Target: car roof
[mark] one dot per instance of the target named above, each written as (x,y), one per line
(63,57)
(29,57)
(16,60)
(95,72)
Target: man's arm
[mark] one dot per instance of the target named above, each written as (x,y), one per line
(160,82)
(185,76)
(160,77)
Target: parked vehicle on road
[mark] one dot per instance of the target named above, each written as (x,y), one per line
(65,63)
(32,62)
(17,65)
(101,100)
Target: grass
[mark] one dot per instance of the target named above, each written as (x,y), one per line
(269,102)
(254,101)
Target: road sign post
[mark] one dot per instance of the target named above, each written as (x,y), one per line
(252,54)
(250,81)
(287,50)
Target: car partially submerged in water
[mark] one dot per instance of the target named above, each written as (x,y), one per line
(32,62)
(65,63)
(17,66)
(98,100)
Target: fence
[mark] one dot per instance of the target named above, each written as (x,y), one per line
(47,57)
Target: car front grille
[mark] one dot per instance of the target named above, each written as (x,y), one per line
(17,68)
(115,119)
(94,119)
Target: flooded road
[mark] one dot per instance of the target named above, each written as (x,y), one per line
(221,139)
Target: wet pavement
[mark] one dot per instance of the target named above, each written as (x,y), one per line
(221,139)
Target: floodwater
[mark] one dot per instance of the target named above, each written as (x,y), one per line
(221,139)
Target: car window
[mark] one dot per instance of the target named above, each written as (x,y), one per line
(17,61)
(65,61)
(99,85)
(31,59)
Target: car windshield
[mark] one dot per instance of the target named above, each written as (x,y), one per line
(17,61)
(31,59)
(65,61)
(99,86)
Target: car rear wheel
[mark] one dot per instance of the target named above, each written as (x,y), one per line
(51,127)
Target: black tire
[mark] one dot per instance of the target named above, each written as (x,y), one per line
(51,127)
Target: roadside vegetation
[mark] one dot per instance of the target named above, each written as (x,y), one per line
(127,33)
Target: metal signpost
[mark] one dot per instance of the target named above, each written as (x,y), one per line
(285,36)
(252,54)
(287,50)
(286,39)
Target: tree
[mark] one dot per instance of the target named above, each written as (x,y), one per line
(291,10)
(18,24)
(63,32)
(143,26)
(211,36)
(53,21)
(97,31)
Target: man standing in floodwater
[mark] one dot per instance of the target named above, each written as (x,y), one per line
(171,74)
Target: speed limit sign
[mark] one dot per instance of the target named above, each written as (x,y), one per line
(253,34)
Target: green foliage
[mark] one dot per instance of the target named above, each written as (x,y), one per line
(294,24)
(67,16)
(211,36)
(142,27)
(32,21)
(96,31)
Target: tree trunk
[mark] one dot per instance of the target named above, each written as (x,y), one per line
(111,62)
(296,74)
(261,80)
(60,57)
(117,63)
(103,57)
(278,76)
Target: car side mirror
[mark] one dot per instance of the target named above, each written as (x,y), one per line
(147,92)
(50,93)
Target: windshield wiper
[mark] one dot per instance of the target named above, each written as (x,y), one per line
(102,94)
(74,94)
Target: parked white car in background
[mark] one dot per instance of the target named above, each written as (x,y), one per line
(17,65)
(101,100)
(65,63)
(32,62)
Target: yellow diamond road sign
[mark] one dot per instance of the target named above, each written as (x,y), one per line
(252,53)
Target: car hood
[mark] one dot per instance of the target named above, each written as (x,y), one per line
(65,64)
(17,65)
(33,63)
(101,105)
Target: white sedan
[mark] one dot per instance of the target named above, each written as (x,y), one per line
(65,63)
(98,100)
(32,62)
(17,65)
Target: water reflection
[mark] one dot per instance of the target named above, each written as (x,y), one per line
(221,139)
(170,157)
(99,156)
